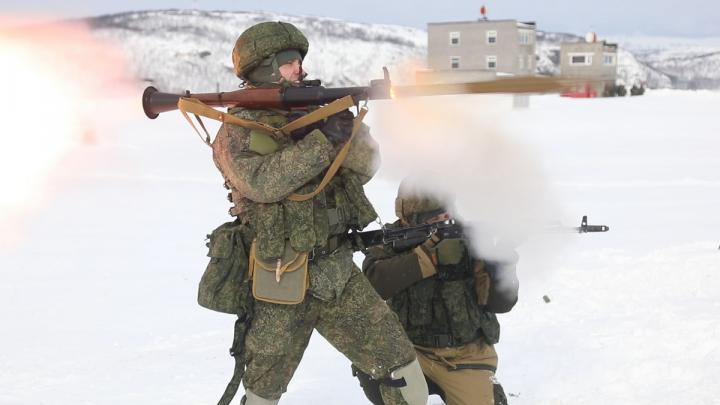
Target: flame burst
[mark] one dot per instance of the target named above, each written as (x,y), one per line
(54,75)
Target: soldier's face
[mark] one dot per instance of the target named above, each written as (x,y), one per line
(439,218)
(291,71)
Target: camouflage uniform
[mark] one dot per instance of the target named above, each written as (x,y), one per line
(261,169)
(446,298)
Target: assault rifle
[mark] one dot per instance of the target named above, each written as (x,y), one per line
(311,93)
(406,237)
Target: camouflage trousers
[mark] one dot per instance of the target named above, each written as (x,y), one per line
(358,323)
(466,374)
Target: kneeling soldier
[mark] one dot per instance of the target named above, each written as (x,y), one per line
(446,298)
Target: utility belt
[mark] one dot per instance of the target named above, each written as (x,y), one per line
(441,340)
(331,245)
(463,362)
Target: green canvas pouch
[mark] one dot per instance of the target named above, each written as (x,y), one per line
(224,286)
(450,251)
(280,281)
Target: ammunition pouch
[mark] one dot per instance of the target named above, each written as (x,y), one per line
(450,252)
(224,286)
(453,260)
(280,281)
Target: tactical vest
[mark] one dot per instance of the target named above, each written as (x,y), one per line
(342,205)
(439,312)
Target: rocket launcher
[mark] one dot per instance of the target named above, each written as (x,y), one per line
(311,93)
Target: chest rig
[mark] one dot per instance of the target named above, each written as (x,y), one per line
(443,310)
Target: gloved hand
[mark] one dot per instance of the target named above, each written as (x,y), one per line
(338,127)
(429,248)
(300,133)
(427,259)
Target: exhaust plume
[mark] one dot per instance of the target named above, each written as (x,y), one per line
(456,146)
(63,88)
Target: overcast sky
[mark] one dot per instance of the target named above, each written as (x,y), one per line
(688,18)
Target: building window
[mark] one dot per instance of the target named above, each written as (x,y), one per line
(530,61)
(521,62)
(525,37)
(454,38)
(609,59)
(491,62)
(491,37)
(454,62)
(581,59)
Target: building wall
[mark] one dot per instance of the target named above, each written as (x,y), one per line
(473,48)
(597,69)
(602,73)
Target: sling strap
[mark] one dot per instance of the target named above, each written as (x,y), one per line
(198,108)
(237,351)
(335,166)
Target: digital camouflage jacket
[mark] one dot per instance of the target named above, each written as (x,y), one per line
(261,169)
(451,305)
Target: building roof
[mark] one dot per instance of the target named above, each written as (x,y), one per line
(526,24)
(603,43)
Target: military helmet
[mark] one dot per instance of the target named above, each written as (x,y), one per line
(416,205)
(263,40)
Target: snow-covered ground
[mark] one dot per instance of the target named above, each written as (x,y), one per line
(97,295)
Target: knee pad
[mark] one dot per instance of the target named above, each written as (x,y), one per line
(415,390)
(251,398)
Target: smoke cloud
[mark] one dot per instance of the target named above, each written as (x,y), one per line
(458,147)
(64,88)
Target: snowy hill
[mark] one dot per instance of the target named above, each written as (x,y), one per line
(190,49)
(689,63)
(183,49)
(630,69)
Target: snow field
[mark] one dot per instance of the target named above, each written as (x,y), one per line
(98,299)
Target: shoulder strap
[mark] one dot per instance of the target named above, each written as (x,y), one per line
(335,166)
(319,114)
(198,108)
